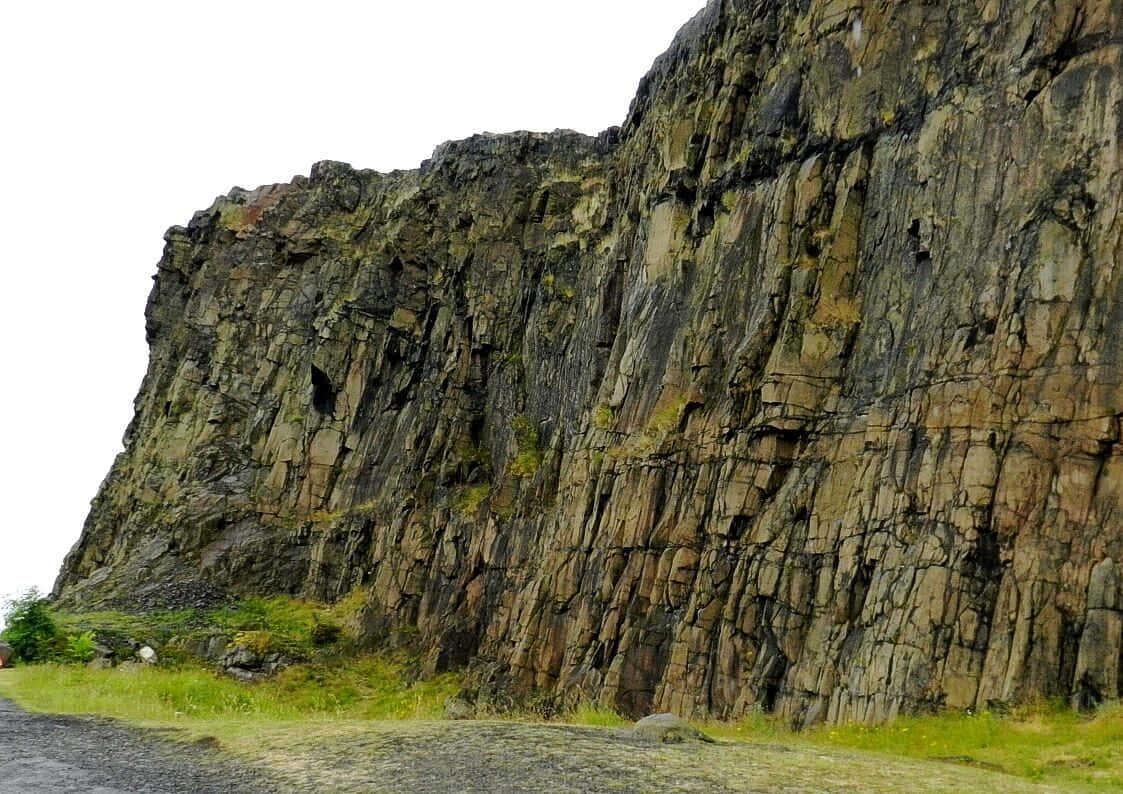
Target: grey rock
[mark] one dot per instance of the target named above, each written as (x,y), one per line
(459,709)
(668,728)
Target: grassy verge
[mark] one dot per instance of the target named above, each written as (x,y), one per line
(1045,742)
(367,688)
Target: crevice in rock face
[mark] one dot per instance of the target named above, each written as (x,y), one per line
(456,648)
(323,392)
(611,306)
(859,589)
(921,255)
(1119,677)
(1087,695)
(737,528)
(298,258)
(1069,653)
(773,680)
(541,202)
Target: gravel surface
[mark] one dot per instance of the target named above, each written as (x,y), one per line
(48,755)
(479,757)
(52,755)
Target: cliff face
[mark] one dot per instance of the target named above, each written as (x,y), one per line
(801,389)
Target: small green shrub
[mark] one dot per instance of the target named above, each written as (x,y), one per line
(529,457)
(469,498)
(80,648)
(31,630)
(604,418)
(324,634)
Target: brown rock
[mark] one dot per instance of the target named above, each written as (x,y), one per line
(799,391)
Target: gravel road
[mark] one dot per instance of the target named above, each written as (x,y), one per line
(49,755)
(56,755)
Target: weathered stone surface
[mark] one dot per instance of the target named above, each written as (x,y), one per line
(801,390)
(667,728)
(457,708)
(251,664)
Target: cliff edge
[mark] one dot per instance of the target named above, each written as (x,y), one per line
(801,390)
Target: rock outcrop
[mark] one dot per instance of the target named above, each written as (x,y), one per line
(800,390)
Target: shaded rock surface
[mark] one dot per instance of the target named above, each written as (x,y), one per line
(249,664)
(801,390)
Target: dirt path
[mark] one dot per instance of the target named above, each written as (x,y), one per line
(50,755)
(65,755)
(350,757)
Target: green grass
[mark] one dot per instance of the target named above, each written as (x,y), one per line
(366,688)
(604,418)
(1048,743)
(1045,742)
(468,499)
(596,716)
(335,680)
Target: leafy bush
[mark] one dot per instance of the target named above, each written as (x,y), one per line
(80,648)
(31,630)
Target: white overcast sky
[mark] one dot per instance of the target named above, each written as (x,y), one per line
(119,119)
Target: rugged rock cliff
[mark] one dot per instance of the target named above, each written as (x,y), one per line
(802,388)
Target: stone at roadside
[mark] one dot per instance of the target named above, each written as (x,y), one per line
(104,657)
(668,729)
(147,655)
(247,664)
(459,709)
(100,663)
